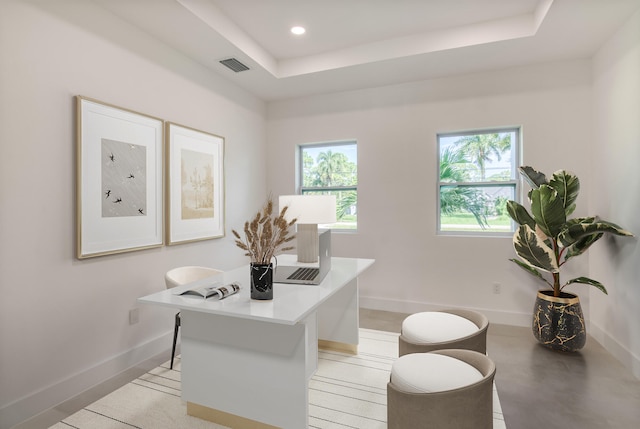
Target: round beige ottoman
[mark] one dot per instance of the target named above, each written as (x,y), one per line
(446,329)
(443,389)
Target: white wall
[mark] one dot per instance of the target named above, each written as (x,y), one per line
(396,131)
(64,322)
(615,162)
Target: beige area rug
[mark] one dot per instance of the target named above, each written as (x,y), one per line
(346,392)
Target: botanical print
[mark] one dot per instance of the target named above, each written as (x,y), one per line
(124,179)
(196,171)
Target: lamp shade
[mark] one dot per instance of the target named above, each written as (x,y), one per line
(309,208)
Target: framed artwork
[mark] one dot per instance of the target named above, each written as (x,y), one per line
(119,186)
(195,184)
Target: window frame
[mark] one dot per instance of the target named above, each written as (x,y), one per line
(514,182)
(301,189)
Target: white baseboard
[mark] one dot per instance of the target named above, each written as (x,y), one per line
(624,355)
(50,396)
(399,306)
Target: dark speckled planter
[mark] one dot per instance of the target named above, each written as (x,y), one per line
(558,323)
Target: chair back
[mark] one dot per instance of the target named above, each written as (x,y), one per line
(183,275)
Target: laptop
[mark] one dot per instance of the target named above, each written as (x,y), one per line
(305,275)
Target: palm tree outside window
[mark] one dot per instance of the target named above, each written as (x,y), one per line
(477,175)
(332,169)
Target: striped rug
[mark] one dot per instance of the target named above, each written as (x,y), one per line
(346,392)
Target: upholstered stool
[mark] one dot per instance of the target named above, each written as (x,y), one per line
(447,329)
(443,389)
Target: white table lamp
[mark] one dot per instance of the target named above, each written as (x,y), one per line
(310,210)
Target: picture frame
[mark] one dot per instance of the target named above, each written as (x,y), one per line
(119,179)
(195,184)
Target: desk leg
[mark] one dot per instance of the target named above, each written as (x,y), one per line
(254,370)
(338,321)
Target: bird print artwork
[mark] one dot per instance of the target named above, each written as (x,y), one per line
(123,179)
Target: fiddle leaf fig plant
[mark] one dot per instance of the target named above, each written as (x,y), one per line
(547,238)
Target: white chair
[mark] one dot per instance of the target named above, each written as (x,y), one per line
(180,276)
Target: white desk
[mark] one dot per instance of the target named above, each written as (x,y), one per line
(247,363)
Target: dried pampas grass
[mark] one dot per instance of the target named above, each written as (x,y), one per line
(265,235)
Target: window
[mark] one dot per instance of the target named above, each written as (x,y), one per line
(332,169)
(477,174)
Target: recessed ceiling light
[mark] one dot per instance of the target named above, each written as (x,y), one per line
(298,30)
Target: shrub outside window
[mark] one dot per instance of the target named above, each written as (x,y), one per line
(332,169)
(477,174)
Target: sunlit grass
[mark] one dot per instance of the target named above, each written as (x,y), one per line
(467,222)
(345,222)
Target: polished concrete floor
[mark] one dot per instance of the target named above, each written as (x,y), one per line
(544,389)
(538,388)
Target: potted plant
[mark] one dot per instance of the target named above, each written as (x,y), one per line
(545,240)
(265,235)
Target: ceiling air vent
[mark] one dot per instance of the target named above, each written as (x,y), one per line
(234,65)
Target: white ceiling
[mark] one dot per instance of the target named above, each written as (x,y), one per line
(354,44)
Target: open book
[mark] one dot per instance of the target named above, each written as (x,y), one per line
(216,290)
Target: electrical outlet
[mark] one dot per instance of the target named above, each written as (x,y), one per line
(134,316)
(497,288)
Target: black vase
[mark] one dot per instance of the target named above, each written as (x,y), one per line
(261,281)
(558,322)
